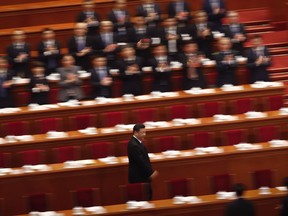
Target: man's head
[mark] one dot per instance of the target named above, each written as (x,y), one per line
(80,29)
(225,44)
(190,47)
(18,36)
(37,68)
(48,34)
(139,21)
(88,5)
(68,60)
(106,26)
(201,17)
(239,189)
(257,41)
(159,50)
(120,4)
(99,61)
(127,52)
(139,131)
(233,17)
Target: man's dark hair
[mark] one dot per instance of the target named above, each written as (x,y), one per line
(47,30)
(239,189)
(257,36)
(285,181)
(138,127)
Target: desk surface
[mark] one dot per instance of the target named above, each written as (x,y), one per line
(166,207)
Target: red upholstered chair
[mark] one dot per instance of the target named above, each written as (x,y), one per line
(177,111)
(135,192)
(242,105)
(100,150)
(166,143)
(210,109)
(233,137)
(274,102)
(82,121)
(267,133)
(221,182)
(5,160)
(179,187)
(16,128)
(38,202)
(31,157)
(86,197)
(121,148)
(66,153)
(201,139)
(263,178)
(48,124)
(111,119)
(143,115)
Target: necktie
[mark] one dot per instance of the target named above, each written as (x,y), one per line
(234,28)
(102,73)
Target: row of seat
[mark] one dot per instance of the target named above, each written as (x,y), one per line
(87,197)
(104,149)
(110,119)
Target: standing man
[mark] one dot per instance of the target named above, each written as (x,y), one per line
(140,169)
(240,206)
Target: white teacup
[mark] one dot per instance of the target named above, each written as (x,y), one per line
(264,190)
(78,210)
(178,200)
(132,204)
(128,97)
(10,138)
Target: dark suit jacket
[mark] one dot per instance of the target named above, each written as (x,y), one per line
(204,44)
(131,83)
(82,16)
(140,168)
(141,11)
(113,18)
(12,53)
(51,61)
(161,80)
(215,18)
(258,73)
(226,29)
(240,207)
(226,72)
(38,97)
(188,83)
(4,92)
(284,207)
(82,61)
(99,90)
(172,8)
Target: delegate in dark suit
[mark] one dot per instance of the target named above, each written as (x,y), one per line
(75,46)
(230,31)
(176,7)
(215,18)
(145,9)
(97,74)
(193,77)
(258,72)
(50,58)
(131,82)
(92,24)
(20,67)
(39,97)
(226,69)
(5,93)
(240,207)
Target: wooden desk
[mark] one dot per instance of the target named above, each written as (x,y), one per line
(210,206)
(59,181)
(183,98)
(75,138)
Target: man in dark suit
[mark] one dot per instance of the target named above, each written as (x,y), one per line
(235,31)
(100,77)
(284,203)
(226,63)
(18,54)
(216,11)
(160,63)
(80,46)
(140,169)
(49,51)
(191,61)
(119,16)
(180,10)
(5,83)
(140,37)
(151,11)
(201,32)
(240,206)
(258,60)
(130,69)
(89,16)
(106,42)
